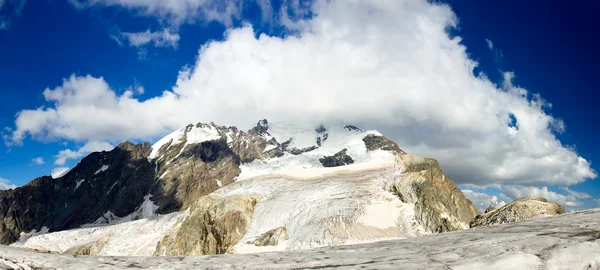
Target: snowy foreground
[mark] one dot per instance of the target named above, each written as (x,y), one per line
(569,241)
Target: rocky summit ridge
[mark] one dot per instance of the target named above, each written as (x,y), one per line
(210,189)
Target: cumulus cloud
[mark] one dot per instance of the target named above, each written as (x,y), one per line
(89,147)
(164,38)
(482,200)
(38,161)
(571,199)
(9,11)
(59,172)
(389,65)
(6,184)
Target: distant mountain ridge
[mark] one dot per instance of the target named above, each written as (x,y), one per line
(276,186)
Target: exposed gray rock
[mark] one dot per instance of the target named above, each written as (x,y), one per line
(213,226)
(338,159)
(440,206)
(519,210)
(376,142)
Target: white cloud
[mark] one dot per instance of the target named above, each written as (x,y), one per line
(571,199)
(59,172)
(6,184)
(490,44)
(482,200)
(164,38)
(389,65)
(597,202)
(175,12)
(38,161)
(89,147)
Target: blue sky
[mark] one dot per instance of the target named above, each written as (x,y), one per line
(233,62)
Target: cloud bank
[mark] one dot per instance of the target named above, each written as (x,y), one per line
(391,65)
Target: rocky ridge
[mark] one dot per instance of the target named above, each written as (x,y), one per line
(271,188)
(518,210)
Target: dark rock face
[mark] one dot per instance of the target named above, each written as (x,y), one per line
(322,134)
(82,195)
(375,142)
(352,128)
(338,159)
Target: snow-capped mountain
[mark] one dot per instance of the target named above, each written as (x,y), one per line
(210,189)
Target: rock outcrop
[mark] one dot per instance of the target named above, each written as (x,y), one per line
(89,249)
(518,210)
(338,159)
(271,238)
(213,226)
(114,181)
(440,206)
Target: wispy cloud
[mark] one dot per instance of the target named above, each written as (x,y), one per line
(89,147)
(497,52)
(38,161)
(164,38)
(10,10)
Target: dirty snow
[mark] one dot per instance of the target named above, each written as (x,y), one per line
(566,242)
(328,206)
(134,238)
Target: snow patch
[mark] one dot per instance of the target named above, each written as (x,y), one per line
(103,168)
(134,238)
(175,136)
(338,138)
(78,183)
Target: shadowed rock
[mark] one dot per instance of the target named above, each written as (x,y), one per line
(338,159)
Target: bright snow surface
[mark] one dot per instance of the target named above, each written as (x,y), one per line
(568,241)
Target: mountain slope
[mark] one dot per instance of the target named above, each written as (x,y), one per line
(569,241)
(103,184)
(328,185)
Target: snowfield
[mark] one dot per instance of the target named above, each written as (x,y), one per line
(568,241)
